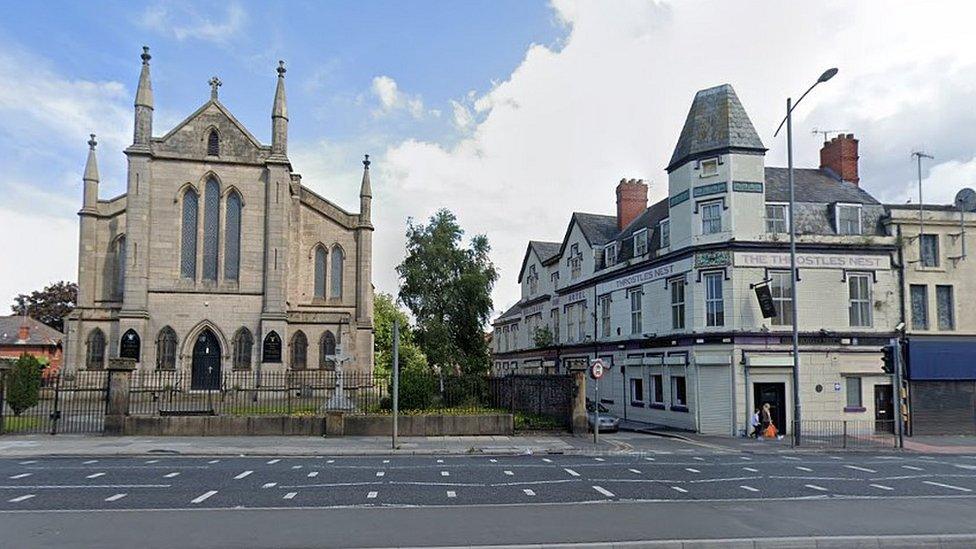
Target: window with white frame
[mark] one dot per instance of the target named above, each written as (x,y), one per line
(665,228)
(636,295)
(859,291)
(636,391)
(709,167)
(605,315)
(678,303)
(929,250)
(640,242)
(919,297)
(657,389)
(777,218)
(554,324)
(944,308)
(610,255)
(714,300)
(533,280)
(781,289)
(679,391)
(848,218)
(711,217)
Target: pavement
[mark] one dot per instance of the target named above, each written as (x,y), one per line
(682,499)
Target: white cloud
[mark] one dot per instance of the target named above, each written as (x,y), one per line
(183,21)
(38,250)
(392,99)
(609,102)
(463,119)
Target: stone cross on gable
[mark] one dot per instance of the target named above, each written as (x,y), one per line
(214,84)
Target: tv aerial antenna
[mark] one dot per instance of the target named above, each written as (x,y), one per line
(826,133)
(965,202)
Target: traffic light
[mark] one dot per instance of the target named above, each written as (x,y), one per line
(888,359)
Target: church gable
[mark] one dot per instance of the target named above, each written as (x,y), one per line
(211,133)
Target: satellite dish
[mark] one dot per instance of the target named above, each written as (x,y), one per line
(966,200)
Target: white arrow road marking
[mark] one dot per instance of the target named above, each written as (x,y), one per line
(528,492)
(856,468)
(949,486)
(202,497)
(269,485)
(750,469)
(22,475)
(242,475)
(603,491)
(313,474)
(692,470)
(171,475)
(371,495)
(116,497)
(451,494)
(571,472)
(95,475)
(815,487)
(881,487)
(19,499)
(290,495)
(679,489)
(273,461)
(912,468)
(750,488)
(807,469)
(380,473)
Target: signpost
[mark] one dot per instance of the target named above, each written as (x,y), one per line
(597,369)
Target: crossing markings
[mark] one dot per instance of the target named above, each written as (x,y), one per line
(171,475)
(22,475)
(949,486)
(445,474)
(203,497)
(371,495)
(603,491)
(750,469)
(380,473)
(635,471)
(881,487)
(28,462)
(290,495)
(19,499)
(214,461)
(89,462)
(815,487)
(509,473)
(95,475)
(150,462)
(116,497)
(807,469)
(692,470)
(856,468)
(571,472)
(313,474)
(912,468)
(273,461)
(269,485)
(679,489)
(242,475)
(749,488)
(451,494)
(528,492)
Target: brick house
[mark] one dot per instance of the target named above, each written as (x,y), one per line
(20,334)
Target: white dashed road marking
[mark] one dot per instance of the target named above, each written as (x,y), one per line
(386,461)
(290,495)
(528,492)
(214,461)
(635,471)
(679,489)
(603,491)
(598,459)
(881,487)
(28,462)
(696,458)
(692,470)
(547,460)
(815,487)
(171,475)
(371,495)
(912,468)
(509,473)
(331,461)
(649,459)
(95,475)
(745,458)
(19,499)
(571,472)
(949,486)
(791,458)
(493,460)
(750,469)
(380,473)
(445,474)
(749,488)
(856,468)
(451,494)
(242,475)
(273,461)
(313,474)
(440,461)
(89,462)
(22,475)
(296,466)
(202,497)
(116,497)
(807,469)
(269,485)
(150,462)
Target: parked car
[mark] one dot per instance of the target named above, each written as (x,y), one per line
(608,421)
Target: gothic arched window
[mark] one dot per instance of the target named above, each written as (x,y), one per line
(232,237)
(166,349)
(320,255)
(120,266)
(211,226)
(213,143)
(95,353)
(299,351)
(242,349)
(327,350)
(337,259)
(188,238)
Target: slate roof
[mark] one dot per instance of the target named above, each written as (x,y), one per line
(40,334)
(716,122)
(511,311)
(813,185)
(545,250)
(598,229)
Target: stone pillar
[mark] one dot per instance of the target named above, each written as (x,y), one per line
(580,425)
(119,380)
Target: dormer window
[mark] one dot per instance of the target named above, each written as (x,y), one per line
(665,227)
(213,143)
(610,255)
(640,242)
(709,167)
(533,280)
(848,219)
(575,262)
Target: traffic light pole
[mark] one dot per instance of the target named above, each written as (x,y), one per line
(899,421)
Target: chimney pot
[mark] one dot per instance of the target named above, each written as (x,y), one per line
(631,201)
(24,332)
(840,156)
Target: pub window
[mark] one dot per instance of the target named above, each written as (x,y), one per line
(714,300)
(678,304)
(919,296)
(533,280)
(709,167)
(711,217)
(859,291)
(657,389)
(610,255)
(636,296)
(777,218)
(848,218)
(640,242)
(605,315)
(665,233)
(554,320)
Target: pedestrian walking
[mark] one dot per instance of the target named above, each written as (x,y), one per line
(754,423)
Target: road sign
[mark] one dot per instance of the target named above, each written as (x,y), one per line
(597,368)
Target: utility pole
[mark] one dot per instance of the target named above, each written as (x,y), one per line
(396,381)
(919,155)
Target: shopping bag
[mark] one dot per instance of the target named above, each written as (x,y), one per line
(770,431)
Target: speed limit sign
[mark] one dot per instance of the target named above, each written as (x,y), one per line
(597,368)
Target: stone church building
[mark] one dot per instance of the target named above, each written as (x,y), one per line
(217,258)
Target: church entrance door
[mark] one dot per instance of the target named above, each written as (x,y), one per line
(206,362)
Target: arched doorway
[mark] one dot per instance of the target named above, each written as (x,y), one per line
(206,362)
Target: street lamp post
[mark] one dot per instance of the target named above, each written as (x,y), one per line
(794,276)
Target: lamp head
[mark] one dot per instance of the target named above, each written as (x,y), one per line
(827,75)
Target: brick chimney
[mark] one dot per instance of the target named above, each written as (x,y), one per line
(631,201)
(24,332)
(839,155)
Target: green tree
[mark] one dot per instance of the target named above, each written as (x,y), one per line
(542,337)
(412,358)
(49,305)
(447,288)
(24,384)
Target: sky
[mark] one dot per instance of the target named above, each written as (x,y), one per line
(511,113)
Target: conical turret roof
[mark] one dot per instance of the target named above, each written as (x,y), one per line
(716,123)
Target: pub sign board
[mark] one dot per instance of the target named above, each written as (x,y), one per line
(765,299)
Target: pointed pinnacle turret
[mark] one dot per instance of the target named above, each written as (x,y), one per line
(144,93)
(280,109)
(279,115)
(365,189)
(142,132)
(91,167)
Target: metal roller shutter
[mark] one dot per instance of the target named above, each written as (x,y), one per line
(943,407)
(716,400)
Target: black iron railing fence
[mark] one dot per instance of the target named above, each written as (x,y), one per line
(72,402)
(846,434)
